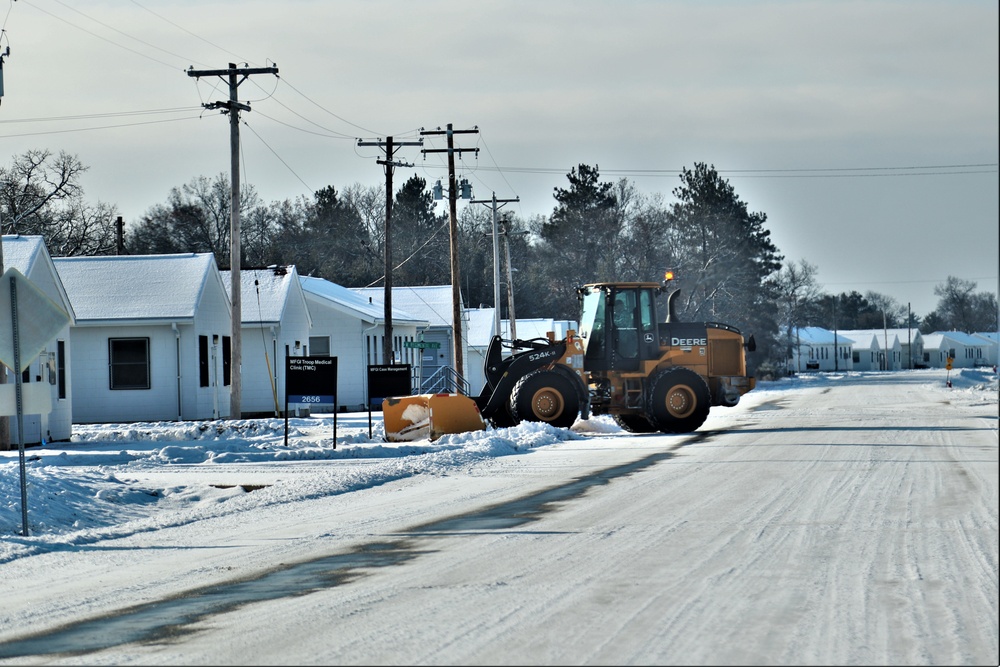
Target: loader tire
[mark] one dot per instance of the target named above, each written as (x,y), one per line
(635,424)
(503,418)
(679,401)
(545,396)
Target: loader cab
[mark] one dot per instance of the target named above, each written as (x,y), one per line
(618,325)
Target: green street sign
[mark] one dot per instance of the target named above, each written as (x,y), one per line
(421,344)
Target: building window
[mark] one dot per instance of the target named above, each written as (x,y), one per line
(227,361)
(61,367)
(202,361)
(320,346)
(128,363)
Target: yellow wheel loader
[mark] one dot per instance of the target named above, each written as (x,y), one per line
(648,374)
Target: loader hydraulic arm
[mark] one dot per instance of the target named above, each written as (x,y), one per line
(503,373)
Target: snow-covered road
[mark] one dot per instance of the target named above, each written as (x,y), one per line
(838,520)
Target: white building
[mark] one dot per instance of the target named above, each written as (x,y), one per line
(435,304)
(276,325)
(29,256)
(151,341)
(537,327)
(818,349)
(991,345)
(910,351)
(481,326)
(866,350)
(965,350)
(349,326)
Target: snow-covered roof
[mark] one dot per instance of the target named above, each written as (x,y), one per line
(959,337)
(264,293)
(819,336)
(429,302)
(862,339)
(884,336)
(349,300)
(135,287)
(29,254)
(21,252)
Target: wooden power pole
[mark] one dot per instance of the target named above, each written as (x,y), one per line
(496,255)
(456,290)
(233,107)
(390,147)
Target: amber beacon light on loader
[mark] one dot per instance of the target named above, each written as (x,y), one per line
(649,375)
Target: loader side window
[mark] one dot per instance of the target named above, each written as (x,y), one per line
(627,335)
(650,344)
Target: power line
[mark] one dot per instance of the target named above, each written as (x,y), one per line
(99,127)
(111,114)
(779,173)
(109,41)
(186,30)
(335,135)
(275,153)
(901,282)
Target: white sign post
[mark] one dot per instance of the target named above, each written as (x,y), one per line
(21,344)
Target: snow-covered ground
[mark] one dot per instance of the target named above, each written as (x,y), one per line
(118,483)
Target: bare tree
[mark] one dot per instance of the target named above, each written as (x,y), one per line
(893,313)
(40,194)
(796,287)
(960,308)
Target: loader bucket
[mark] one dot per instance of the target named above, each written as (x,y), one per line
(429,416)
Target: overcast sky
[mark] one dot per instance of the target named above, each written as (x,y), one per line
(867,132)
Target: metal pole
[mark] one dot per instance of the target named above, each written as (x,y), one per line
(836,355)
(20,407)
(387,350)
(456,274)
(510,284)
(235,272)
(496,269)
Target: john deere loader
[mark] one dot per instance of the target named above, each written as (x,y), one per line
(649,374)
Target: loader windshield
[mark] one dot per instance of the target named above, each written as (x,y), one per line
(592,322)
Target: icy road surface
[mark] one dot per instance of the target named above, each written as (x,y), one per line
(828,520)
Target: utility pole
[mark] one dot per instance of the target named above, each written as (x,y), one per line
(233,108)
(119,236)
(510,282)
(390,147)
(496,254)
(836,353)
(4,420)
(456,290)
(909,335)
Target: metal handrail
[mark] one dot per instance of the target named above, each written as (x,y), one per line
(445,380)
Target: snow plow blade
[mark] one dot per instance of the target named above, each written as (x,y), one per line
(429,416)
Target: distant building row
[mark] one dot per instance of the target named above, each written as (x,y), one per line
(818,349)
(149,337)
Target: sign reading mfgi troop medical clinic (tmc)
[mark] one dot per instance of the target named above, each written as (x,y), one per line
(311,381)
